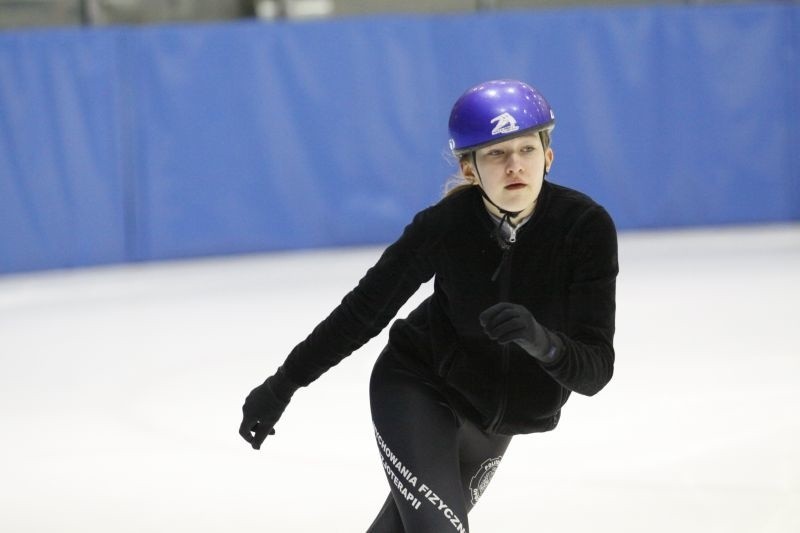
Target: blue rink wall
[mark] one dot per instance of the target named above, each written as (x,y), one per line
(149,143)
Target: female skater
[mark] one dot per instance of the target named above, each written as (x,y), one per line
(521,315)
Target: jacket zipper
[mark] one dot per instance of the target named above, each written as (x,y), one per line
(505,286)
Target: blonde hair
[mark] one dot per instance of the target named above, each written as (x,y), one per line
(457,182)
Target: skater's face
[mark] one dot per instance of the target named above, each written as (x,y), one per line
(511,172)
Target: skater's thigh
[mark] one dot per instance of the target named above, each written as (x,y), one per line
(417,436)
(480,454)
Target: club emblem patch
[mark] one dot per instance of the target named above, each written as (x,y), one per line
(482,477)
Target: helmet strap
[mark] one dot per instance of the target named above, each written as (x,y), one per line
(506,214)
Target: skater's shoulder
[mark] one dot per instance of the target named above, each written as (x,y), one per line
(572,197)
(453,206)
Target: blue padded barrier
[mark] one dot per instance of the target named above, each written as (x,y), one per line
(130,144)
(62,196)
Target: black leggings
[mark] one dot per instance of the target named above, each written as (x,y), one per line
(437,462)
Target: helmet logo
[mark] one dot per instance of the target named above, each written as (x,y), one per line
(505,124)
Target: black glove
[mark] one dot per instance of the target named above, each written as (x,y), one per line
(506,322)
(264,406)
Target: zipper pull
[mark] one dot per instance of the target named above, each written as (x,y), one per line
(512,238)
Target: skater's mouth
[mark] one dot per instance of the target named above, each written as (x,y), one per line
(515,186)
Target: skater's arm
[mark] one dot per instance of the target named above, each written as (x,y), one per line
(368,308)
(362,314)
(584,355)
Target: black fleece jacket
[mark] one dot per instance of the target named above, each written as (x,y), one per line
(562,267)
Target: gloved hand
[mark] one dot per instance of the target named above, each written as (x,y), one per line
(264,406)
(506,322)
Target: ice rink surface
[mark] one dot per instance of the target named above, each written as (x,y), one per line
(121,389)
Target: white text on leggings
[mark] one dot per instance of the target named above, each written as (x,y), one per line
(438,503)
(405,472)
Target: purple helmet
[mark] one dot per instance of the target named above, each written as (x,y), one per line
(495,110)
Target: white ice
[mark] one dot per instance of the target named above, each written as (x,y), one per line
(121,387)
